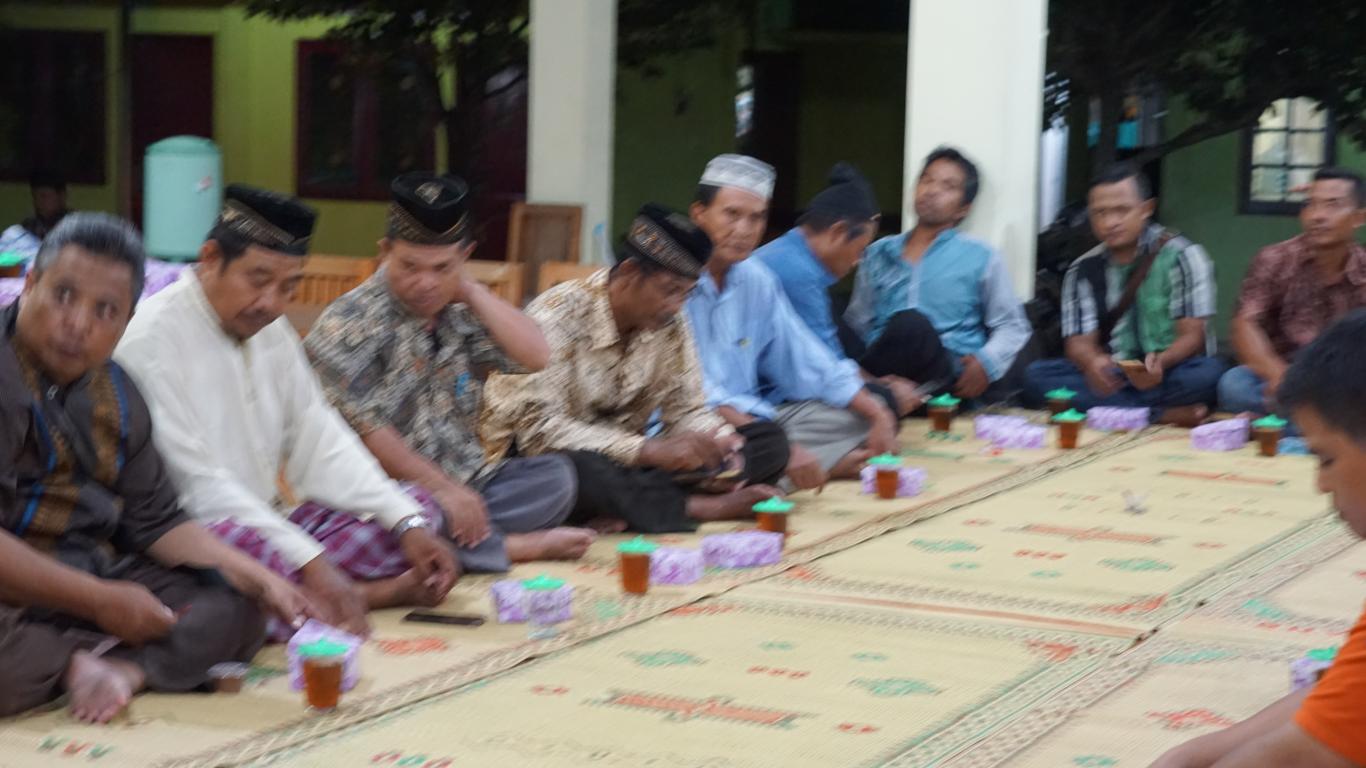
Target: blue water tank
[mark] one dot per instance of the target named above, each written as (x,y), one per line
(183,191)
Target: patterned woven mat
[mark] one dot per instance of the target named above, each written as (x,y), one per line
(1068,549)
(1131,710)
(736,682)
(410,662)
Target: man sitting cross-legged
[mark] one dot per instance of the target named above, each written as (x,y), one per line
(1324,391)
(93,548)
(237,407)
(619,354)
(404,357)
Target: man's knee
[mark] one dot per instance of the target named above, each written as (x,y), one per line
(1241,390)
(767,449)
(910,323)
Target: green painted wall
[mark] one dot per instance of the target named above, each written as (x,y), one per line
(253,108)
(1200,198)
(668,127)
(853,108)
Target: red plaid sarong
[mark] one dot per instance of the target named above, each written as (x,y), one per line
(365,551)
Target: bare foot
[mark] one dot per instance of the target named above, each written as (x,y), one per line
(402,590)
(735,505)
(554,544)
(1186,416)
(605,525)
(848,467)
(100,689)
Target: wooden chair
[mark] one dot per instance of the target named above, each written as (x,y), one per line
(501,277)
(325,279)
(543,234)
(554,272)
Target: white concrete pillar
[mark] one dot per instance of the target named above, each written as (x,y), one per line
(975,81)
(572,93)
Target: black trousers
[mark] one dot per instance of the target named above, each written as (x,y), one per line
(649,500)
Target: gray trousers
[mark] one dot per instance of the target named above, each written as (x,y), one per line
(36,646)
(523,495)
(826,431)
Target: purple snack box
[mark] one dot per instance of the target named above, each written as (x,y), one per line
(550,606)
(1025,436)
(313,631)
(675,565)
(988,426)
(1108,419)
(1306,670)
(910,481)
(509,600)
(745,549)
(1227,435)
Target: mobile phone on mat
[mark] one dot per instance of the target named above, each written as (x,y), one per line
(431,617)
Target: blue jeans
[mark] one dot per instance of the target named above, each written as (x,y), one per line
(1242,391)
(1192,381)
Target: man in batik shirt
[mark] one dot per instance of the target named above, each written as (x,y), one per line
(404,357)
(621,356)
(106,587)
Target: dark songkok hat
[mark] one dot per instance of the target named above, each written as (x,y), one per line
(668,239)
(847,195)
(268,219)
(429,209)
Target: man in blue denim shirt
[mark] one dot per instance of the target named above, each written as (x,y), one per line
(933,303)
(830,237)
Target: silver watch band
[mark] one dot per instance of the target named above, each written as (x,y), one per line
(408,523)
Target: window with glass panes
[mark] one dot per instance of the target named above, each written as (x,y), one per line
(1293,138)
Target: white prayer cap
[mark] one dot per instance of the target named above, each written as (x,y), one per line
(740,172)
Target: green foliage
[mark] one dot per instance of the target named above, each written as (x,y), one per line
(1227,59)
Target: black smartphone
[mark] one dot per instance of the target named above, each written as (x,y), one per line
(428,617)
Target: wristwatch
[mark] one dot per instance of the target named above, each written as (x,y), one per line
(408,523)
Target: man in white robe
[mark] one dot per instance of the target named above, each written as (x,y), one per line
(236,408)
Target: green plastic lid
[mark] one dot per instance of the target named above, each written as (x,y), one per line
(1322,654)
(636,546)
(944,401)
(774,505)
(542,583)
(322,649)
(1061,393)
(11,259)
(1070,415)
(1270,422)
(885,460)
(183,145)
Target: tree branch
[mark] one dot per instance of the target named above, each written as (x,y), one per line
(1195,134)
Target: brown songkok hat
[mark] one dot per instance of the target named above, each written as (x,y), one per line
(668,239)
(429,209)
(268,219)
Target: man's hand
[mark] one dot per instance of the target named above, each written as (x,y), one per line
(903,391)
(129,611)
(275,594)
(1100,376)
(1147,377)
(467,516)
(882,433)
(683,452)
(973,381)
(1272,386)
(431,560)
(804,469)
(340,601)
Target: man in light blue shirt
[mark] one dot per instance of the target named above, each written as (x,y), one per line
(934,303)
(831,234)
(759,360)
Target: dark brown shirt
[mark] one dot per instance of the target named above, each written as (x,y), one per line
(88,511)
